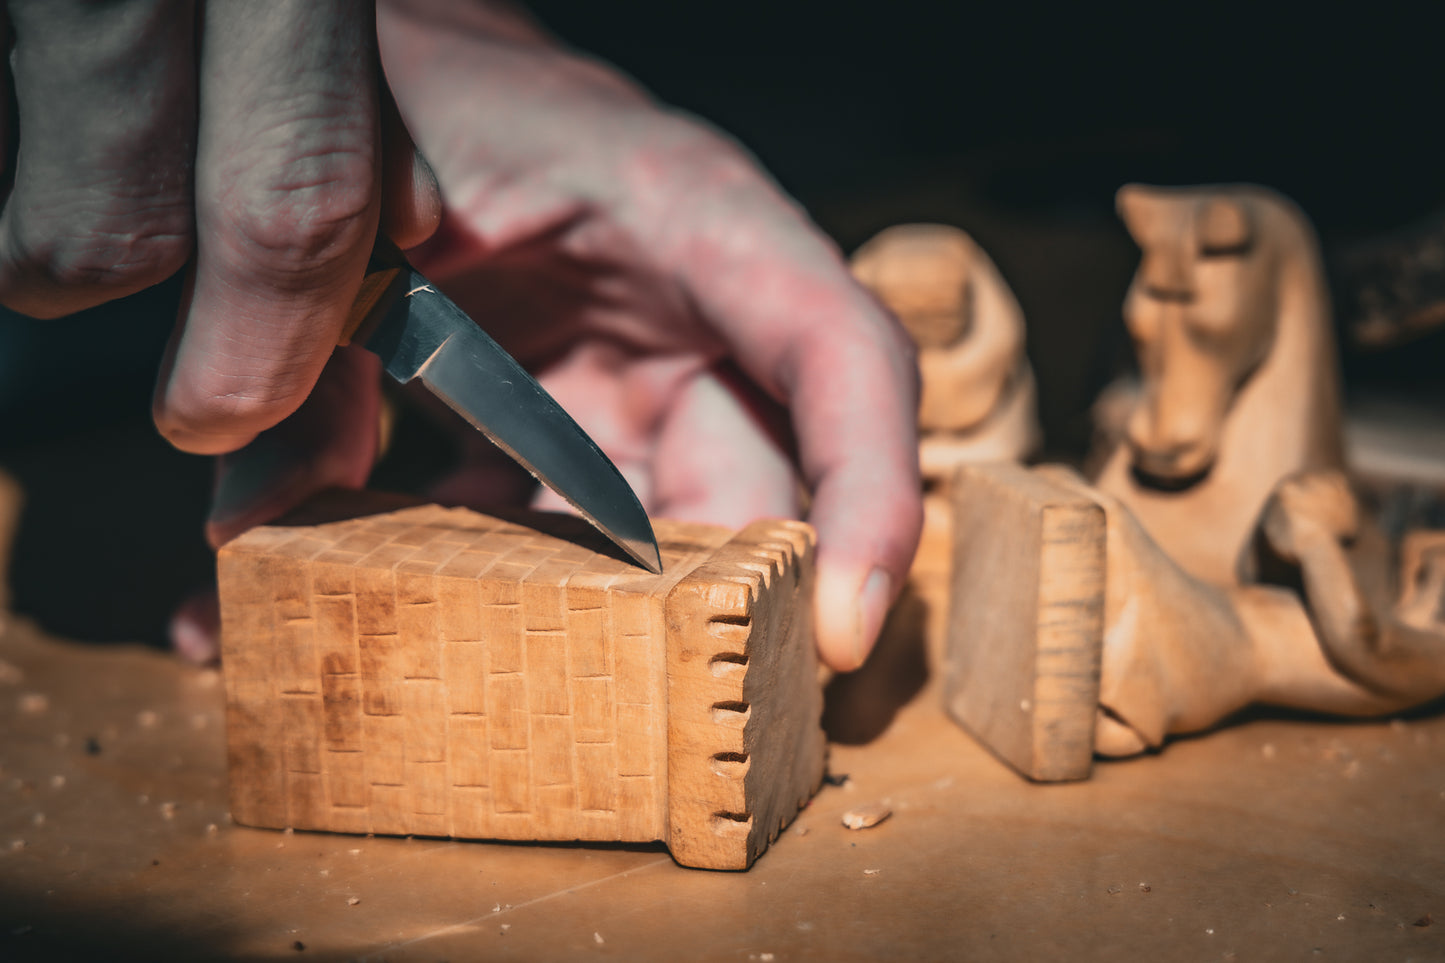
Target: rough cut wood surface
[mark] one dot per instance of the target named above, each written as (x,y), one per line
(440,672)
(1026,627)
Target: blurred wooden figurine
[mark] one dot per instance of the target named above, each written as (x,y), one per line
(1237,423)
(978,401)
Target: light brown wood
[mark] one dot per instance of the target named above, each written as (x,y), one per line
(1172,653)
(1236,420)
(1379,621)
(978,397)
(1213,834)
(1180,653)
(1230,315)
(440,672)
(1026,632)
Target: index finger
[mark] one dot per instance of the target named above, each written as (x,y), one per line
(806,332)
(287,206)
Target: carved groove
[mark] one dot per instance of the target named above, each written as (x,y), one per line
(736,825)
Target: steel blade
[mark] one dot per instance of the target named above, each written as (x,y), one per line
(424,335)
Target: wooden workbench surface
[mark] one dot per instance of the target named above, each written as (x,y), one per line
(1274,839)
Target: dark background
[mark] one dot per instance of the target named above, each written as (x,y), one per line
(1016,122)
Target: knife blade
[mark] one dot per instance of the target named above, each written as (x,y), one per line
(419,333)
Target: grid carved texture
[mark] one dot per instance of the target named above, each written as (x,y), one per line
(745,751)
(440,672)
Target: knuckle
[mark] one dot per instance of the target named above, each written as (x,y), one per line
(93,256)
(297,217)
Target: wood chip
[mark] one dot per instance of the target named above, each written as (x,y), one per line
(34,703)
(866,817)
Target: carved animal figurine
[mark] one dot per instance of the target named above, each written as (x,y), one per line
(1230,316)
(1230,472)
(1381,624)
(978,399)
(440,672)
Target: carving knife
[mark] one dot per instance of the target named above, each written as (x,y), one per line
(420,333)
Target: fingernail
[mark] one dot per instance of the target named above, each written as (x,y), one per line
(873,603)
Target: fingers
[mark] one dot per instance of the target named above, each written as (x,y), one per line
(101,202)
(804,330)
(411,198)
(330,442)
(716,463)
(287,204)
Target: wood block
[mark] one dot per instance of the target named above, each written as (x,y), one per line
(452,673)
(1025,633)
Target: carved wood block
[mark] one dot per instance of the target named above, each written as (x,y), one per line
(1025,633)
(441,672)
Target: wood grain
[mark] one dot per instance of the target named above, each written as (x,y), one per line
(1026,626)
(440,672)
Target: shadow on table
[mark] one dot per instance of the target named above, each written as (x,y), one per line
(859,706)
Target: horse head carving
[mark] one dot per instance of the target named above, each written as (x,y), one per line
(1230,318)
(1203,310)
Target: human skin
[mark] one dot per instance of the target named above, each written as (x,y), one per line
(681,307)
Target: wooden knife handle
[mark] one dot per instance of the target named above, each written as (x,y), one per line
(386,265)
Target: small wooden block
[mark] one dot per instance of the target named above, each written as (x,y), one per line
(1025,633)
(436,671)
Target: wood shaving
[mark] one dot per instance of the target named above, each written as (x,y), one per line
(871,872)
(597,938)
(866,817)
(353,900)
(33,703)
(147,719)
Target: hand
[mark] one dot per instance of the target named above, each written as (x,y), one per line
(665,292)
(247,145)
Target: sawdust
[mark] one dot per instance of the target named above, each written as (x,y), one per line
(866,817)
